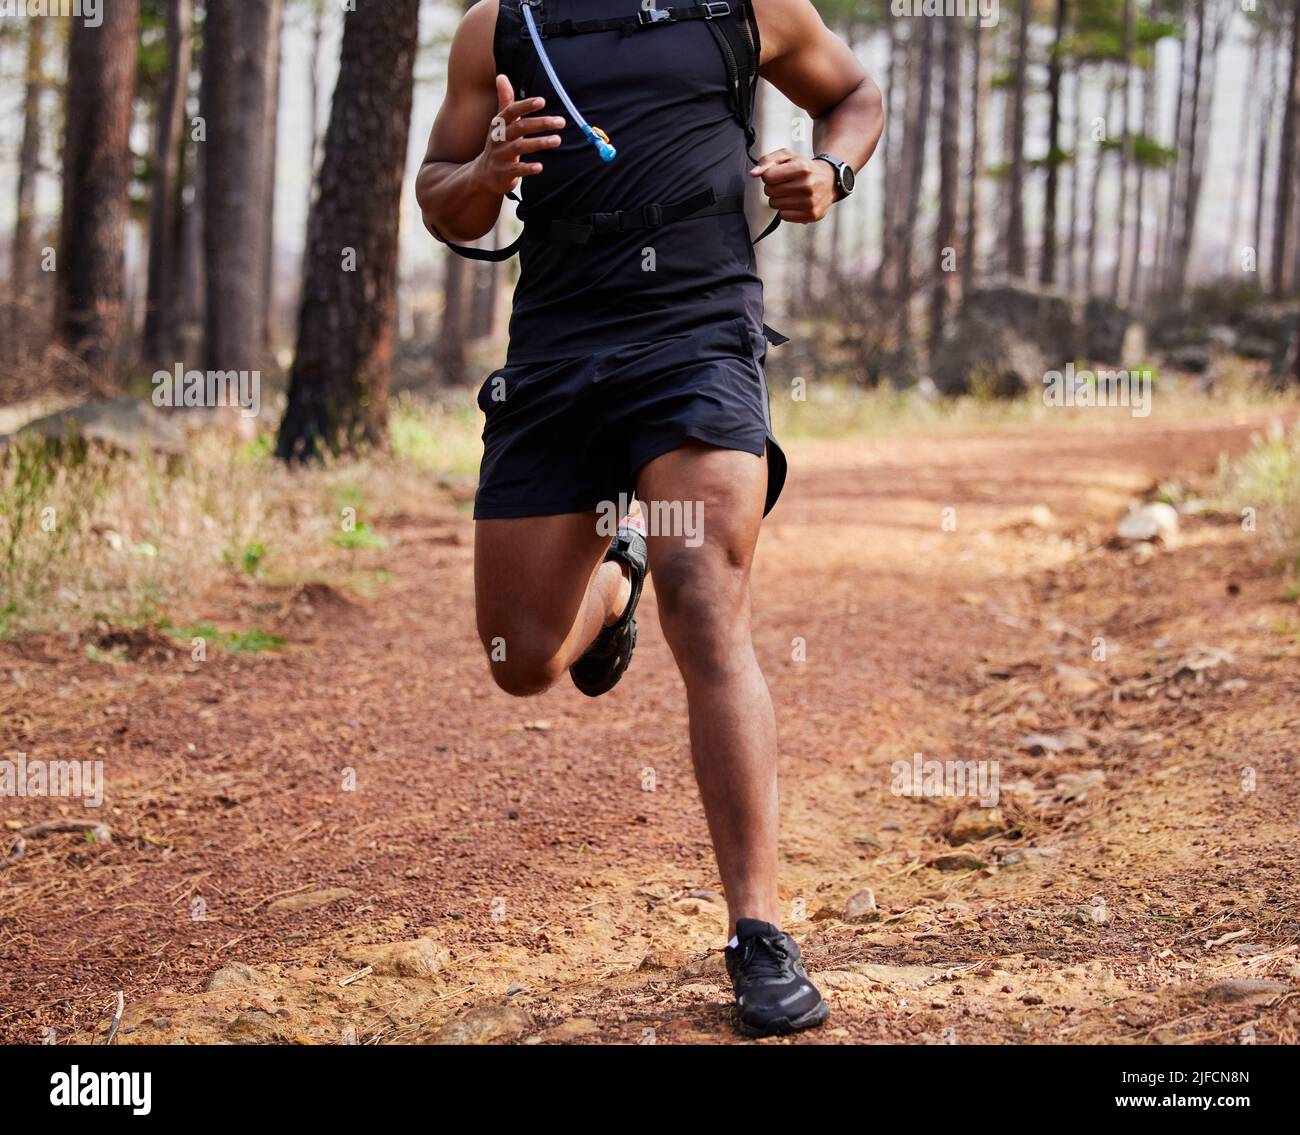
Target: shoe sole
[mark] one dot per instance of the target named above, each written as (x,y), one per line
(785,1026)
(608,682)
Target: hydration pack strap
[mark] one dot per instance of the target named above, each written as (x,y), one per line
(771,228)
(582,230)
(738,41)
(645,18)
(491,255)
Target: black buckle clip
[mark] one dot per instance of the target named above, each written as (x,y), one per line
(536,6)
(652,216)
(648,16)
(717,10)
(605,224)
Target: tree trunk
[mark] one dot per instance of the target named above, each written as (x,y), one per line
(272,143)
(918,98)
(891,160)
(190,303)
(970,251)
(1202,118)
(22,267)
(338,393)
(1282,219)
(1241,166)
(1094,198)
(810,258)
(1148,127)
(1125,153)
(458,277)
(1006,35)
(1183,211)
(191,281)
(313,110)
(165,187)
(1166,240)
(1016,204)
(1261,164)
(1076,184)
(241,50)
(834,263)
(96,182)
(457,307)
(1047,267)
(483,304)
(945,237)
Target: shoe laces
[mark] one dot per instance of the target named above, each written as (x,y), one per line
(766,958)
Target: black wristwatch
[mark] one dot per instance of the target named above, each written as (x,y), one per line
(845,178)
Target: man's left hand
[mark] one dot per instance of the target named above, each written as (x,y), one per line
(802,190)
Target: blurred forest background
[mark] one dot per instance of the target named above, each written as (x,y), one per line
(162,176)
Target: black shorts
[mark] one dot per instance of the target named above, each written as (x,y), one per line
(569,435)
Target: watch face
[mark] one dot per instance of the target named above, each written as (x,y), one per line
(848,178)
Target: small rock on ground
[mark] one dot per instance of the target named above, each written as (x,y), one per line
(861,907)
(572,1029)
(977,825)
(235,975)
(310,900)
(484,1025)
(1246,991)
(420,958)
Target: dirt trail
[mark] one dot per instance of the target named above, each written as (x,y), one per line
(1141,887)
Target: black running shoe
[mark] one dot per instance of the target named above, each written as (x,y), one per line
(773,993)
(606,660)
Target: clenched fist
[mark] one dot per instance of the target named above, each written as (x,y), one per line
(802,190)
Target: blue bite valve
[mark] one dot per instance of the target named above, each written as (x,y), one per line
(598,138)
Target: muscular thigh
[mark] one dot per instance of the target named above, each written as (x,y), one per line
(531,575)
(701,568)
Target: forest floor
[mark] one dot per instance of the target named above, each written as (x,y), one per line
(540,871)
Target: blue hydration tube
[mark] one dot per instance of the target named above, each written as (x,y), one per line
(596,136)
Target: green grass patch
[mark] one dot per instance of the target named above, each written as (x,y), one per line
(360,538)
(248,559)
(233,642)
(1262,487)
(442,438)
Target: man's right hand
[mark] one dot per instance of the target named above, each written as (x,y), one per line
(512,137)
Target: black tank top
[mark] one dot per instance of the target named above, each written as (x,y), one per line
(662,96)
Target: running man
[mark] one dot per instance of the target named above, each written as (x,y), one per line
(635,369)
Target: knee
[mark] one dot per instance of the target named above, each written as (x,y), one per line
(703,606)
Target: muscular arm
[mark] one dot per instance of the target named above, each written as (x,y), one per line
(480,138)
(818,72)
